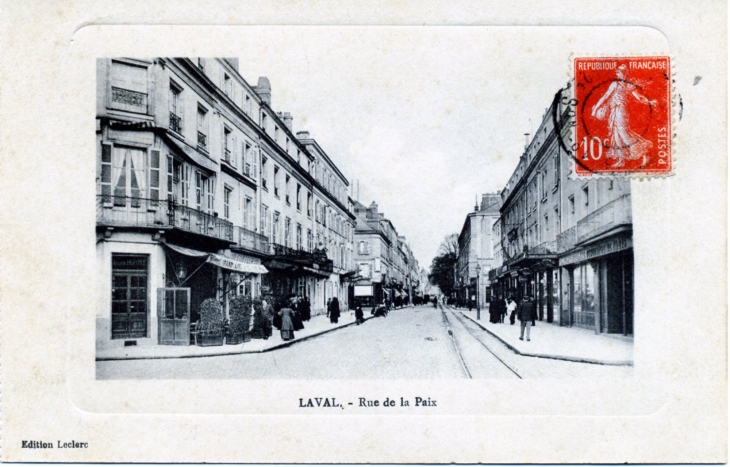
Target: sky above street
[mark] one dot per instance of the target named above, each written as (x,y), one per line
(425,118)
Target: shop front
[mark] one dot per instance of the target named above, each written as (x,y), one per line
(598,286)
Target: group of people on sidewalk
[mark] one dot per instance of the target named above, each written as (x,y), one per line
(525,311)
(289,315)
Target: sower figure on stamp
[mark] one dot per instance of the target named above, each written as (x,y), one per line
(624,144)
(526,312)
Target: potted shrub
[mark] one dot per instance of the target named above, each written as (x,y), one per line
(211,326)
(240,320)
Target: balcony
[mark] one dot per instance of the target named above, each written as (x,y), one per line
(567,240)
(175,123)
(124,211)
(252,241)
(126,99)
(613,216)
(202,141)
(305,258)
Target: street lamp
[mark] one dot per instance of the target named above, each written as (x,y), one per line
(479,311)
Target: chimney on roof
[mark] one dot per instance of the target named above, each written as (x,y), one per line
(263,89)
(302,135)
(476,203)
(527,140)
(373,209)
(287,119)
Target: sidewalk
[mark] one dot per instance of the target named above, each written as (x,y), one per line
(561,343)
(316,326)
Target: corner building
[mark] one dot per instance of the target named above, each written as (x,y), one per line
(203,191)
(566,241)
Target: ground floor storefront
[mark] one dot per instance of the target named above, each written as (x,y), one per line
(591,286)
(152,288)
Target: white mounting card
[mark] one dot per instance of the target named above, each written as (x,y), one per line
(124,197)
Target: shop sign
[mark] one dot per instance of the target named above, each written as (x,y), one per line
(574,257)
(129,262)
(611,246)
(242,258)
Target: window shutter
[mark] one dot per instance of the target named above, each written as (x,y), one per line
(234,152)
(223,142)
(155,175)
(105,177)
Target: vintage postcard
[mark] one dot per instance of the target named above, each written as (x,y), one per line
(298,233)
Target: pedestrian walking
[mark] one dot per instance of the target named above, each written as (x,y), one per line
(296,317)
(287,327)
(358,315)
(329,306)
(334,311)
(511,309)
(526,315)
(305,309)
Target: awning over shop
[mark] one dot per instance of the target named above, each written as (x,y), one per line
(220,261)
(235,265)
(186,251)
(316,271)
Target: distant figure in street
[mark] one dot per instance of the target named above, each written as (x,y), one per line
(511,307)
(358,315)
(329,306)
(526,315)
(435,301)
(334,310)
(305,309)
(502,309)
(287,327)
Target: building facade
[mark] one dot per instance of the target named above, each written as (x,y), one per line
(203,191)
(566,241)
(387,269)
(476,248)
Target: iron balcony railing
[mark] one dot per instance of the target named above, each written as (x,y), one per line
(126,211)
(567,240)
(193,220)
(613,214)
(175,123)
(202,140)
(251,240)
(126,97)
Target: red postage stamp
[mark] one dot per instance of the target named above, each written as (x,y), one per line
(623,115)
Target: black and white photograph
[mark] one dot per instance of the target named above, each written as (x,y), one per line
(331,232)
(226,232)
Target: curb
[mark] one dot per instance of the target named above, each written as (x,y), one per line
(237,352)
(552,357)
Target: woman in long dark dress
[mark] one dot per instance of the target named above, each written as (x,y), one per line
(334,310)
(287,327)
(296,318)
(304,310)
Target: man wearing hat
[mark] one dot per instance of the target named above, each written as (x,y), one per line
(525,313)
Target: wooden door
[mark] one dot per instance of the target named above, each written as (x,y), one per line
(173,314)
(129,296)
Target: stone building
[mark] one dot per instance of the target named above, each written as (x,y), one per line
(386,267)
(476,248)
(204,191)
(566,241)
